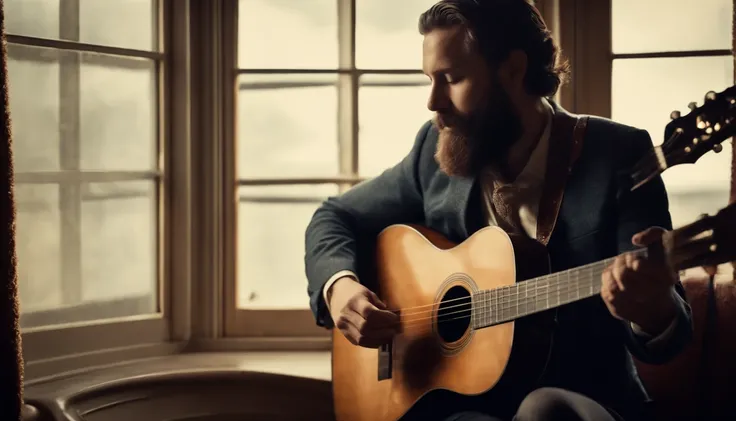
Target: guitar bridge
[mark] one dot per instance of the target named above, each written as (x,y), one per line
(385,358)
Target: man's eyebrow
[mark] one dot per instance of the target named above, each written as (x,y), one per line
(444,68)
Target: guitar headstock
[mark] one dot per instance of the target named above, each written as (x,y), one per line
(709,241)
(689,137)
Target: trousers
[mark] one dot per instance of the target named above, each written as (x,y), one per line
(549,404)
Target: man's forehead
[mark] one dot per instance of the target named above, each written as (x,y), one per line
(445,47)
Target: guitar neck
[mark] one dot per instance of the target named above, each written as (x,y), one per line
(501,305)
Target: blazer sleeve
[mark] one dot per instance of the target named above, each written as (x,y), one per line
(339,226)
(638,210)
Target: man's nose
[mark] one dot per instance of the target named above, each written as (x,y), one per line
(437,99)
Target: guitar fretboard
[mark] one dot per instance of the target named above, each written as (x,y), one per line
(501,305)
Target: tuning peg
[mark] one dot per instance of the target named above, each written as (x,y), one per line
(675,115)
(717,148)
(693,105)
(700,122)
(710,96)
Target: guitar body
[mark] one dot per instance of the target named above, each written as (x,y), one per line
(433,369)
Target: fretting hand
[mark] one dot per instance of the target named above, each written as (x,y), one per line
(639,290)
(360,315)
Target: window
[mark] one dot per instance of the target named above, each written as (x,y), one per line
(341,101)
(657,68)
(85,82)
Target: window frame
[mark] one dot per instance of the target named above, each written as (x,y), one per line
(52,350)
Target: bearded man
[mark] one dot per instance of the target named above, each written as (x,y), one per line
(494,154)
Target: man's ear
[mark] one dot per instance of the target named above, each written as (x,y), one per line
(512,71)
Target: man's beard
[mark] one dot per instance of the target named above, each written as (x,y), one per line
(467,145)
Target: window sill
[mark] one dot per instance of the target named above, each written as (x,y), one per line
(179,375)
(308,364)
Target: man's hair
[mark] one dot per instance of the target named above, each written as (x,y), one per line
(497,27)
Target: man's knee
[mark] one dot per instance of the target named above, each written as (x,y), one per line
(547,403)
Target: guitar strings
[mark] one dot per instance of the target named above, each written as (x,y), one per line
(420,323)
(468,313)
(504,302)
(507,302)
(557,275)
(640,252)
(415,324)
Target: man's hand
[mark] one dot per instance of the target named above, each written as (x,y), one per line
(360,315)
(641,291)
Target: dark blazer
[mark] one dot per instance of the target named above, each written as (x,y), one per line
(593,351)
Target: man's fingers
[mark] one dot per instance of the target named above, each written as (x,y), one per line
(355,319)
(648,236)
(368,317)
(373,298)
(359,332)
(383,320)
(618,272)
(369,311)
(348,330)
(651,271)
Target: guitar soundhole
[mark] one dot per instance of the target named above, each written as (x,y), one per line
(453,316)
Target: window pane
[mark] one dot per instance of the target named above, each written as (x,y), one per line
(287,34)
(38,239)
(391,109)
(115,23)
(271,224)
(672,25)
(115,127)
(33,89)
(119,232)
(387,34)
(642,96)
(97,246)
(119,120)
(287,126)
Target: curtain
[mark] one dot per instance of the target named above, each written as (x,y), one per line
(11,360)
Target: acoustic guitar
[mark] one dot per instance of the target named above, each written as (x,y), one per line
(470,324)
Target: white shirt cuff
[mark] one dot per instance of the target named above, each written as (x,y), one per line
(326,289)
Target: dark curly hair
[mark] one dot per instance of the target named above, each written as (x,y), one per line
(497,27)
